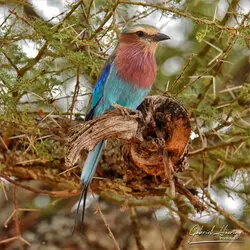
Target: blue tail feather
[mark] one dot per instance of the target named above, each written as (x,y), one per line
(91,164)
(87,175)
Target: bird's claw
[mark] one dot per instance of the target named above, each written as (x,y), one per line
(137,114)
(128,112)
(124,111)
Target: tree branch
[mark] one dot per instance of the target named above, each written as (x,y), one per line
(186,15)
(218,146)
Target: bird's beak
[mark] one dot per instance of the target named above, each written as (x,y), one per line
(160,37)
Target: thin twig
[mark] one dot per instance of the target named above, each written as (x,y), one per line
(221,145)
(135,228)
(106,223)
(160,229)
(7,17)
(226,214)
(76,92)
(10,61)
(169,170)
(182,72)
(17,222)
(3,189)
(64,193)
(4,144)
(182,231)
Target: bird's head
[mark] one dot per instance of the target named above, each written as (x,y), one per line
(143,35)
(135,55)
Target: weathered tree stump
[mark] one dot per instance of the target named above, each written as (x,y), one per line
(155,142)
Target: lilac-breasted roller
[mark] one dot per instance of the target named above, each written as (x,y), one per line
(126,80)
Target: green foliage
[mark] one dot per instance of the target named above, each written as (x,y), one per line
(201,34)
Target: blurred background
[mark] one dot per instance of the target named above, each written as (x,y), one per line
(52,53)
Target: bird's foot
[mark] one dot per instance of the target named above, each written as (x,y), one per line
(128,112)
(137,114)
(124,111)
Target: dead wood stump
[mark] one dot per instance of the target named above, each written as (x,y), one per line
(152,147)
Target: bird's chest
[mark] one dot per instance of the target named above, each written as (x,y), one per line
(119,91)
(136,68)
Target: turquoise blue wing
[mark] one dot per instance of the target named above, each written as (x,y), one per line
(98,91)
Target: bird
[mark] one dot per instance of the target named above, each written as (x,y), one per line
(126,79)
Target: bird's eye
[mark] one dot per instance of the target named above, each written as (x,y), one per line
(140,33)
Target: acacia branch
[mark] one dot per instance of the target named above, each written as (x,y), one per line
(218,146)
(183,14)
(61,193)
(106,19)
(10,61)
(227,215)
(32,62)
